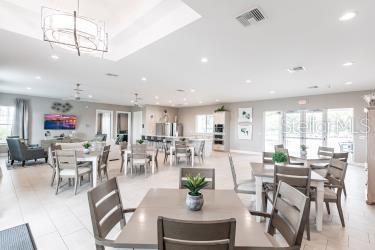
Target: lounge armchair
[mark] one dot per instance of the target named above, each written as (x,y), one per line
(19,151)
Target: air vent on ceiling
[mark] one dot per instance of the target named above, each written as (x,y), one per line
(313,87)
(296,69)
(250,17)
(111,74)
(180,90)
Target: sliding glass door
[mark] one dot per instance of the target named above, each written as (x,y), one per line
(340,129)
(272,129)
(292,131)
(314,130)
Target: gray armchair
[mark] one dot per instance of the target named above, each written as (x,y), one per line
(19,151)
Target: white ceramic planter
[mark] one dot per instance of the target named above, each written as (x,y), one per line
(194,203)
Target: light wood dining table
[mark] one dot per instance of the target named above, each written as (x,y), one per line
(310,158)
(172,149)
(265,172)
(141,230)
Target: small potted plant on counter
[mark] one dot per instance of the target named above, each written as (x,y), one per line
(279,158)
(194,199)
(303,150)
(86,147)
(140,141)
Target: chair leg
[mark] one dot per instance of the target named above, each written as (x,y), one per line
(99,247)
(76,181)
(106,173)
(327,206)
(122,164)
(339,208)
(23,163)
(11,162)
(53,177)
(308,222)
(264,197)
(58,184)
(344,189)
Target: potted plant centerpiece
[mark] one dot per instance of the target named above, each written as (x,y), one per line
(194,199)
(86,147)
(303,150)
(279,158)
(140,141)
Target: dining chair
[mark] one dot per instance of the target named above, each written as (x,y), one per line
(297,177)
(52,160)
(244,187)
(106,212)
(334,187)
(123,147)
(288,216)
(68,167)
(325,152)
(200,152)
(103,162)
(289,161)
(278,146)
(209,173)
(167,150)
(149,157)
(267,158)
(342,157)
(182,151)
(176,234)
(138,157)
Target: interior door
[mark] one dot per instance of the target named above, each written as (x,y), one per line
(137,126)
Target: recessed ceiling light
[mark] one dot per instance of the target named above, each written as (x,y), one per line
(173,105)
(248,81)
(169,101)
(217,100)
(38,77)
(192,90)
(200,102)
(28,88)
(348,83)
(55,57)
(204,60)
(347,64)
(144,79)
(131,101)
(184,99)
(302,102)
(157,103)
(347,16)
(272,92)
(157,97)
(90,96)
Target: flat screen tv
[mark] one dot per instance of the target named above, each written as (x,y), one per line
(60,122)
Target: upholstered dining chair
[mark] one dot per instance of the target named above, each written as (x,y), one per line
(106,212)
(334,187)
(244,187)
(176,234)
(103,162)
(209,173)
(288,216)
(68,167)
(297,177)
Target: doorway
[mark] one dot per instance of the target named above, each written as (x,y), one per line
(137,126)
(123,124)
(104,123)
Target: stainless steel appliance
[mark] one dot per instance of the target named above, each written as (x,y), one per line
(169,129)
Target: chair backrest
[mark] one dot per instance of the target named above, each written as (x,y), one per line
(209,173)
(233,170)
(279,146)
(181,149)
(178,142)
(52,154)
(15,148)
(297,177)
(138,151)
(196,235)
(105,208)
(66,159)
(289,214)
(105,154)
(201,147)
(336,174)
(267,158)
(341,156)
(326,151)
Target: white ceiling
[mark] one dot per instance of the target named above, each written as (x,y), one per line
(295,33)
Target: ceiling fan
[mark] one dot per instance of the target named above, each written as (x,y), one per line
(77,94)
(137,100)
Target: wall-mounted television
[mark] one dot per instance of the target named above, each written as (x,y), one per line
(59,122)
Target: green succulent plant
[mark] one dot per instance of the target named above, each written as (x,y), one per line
(220,109)
(279,157)
(303,147)
(86,145)
(140,141)
(195,184)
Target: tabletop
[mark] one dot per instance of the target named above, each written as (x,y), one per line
(310,157)
(141,230)
(92,154)
(266,170)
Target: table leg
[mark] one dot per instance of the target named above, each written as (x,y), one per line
(192,156)
(126,162)
(171,149)
(319,205)
(153,162)
(94,172)
(258,194)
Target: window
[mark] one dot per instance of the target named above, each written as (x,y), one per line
(6,122)
(272,129)
(340,129)
(204,124)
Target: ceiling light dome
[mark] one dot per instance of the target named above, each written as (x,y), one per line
(74,32)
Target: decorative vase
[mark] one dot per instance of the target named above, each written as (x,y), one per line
(194,203)
(86,151)
(303,152)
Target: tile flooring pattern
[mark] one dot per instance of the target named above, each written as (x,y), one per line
(63,221)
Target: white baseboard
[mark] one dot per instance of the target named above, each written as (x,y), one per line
(245,152)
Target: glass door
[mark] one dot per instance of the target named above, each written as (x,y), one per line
(340,129)
(272,130)
(292,132)
(314,130)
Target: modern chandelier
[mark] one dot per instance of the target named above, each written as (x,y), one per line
(74,32)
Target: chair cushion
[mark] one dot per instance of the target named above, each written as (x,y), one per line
(71,172)
(318,165)
(139,161)
(246,185)
(329,194)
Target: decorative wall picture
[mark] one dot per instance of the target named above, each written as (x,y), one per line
(245,132)
(245,115)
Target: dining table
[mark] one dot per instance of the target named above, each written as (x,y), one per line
(141,229)
(150,150)
(310,158)
(265,173)
(92,157)
(172,149)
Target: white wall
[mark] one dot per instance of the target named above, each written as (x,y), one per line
(155,114)
(343,100)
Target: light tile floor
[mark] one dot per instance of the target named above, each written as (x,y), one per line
(63,221)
